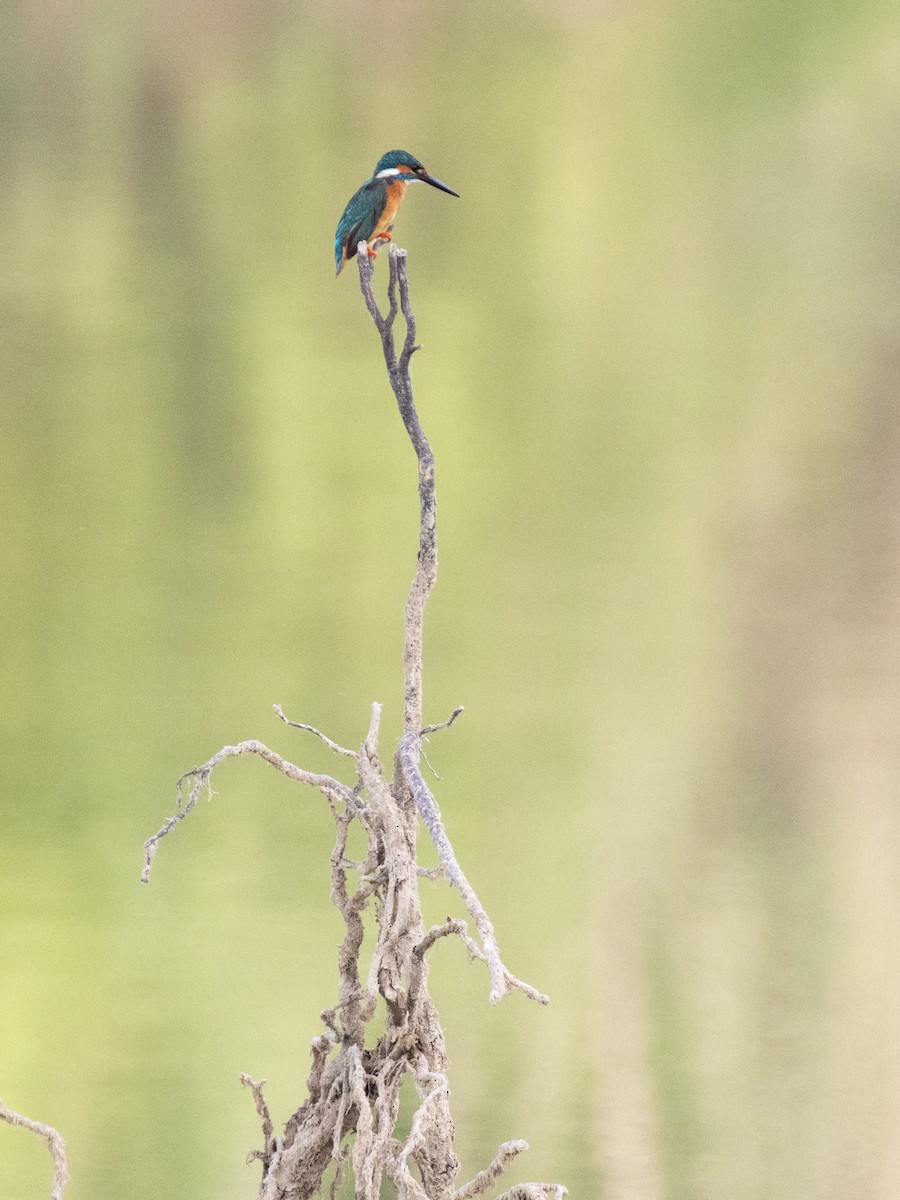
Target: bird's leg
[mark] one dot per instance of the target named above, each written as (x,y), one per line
(371,253)
(387,236)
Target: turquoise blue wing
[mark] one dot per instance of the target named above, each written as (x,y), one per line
(359,220)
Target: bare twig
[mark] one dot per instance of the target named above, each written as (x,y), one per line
(428,764)
(331,788)
(535,1191)
(55,1145)
(433,729)
(442,724)
(398,374)
(409,751)
(431,872)
(319,734)
(262,1109)
(417,968)
(502,980)
(449,927)
(489,1176)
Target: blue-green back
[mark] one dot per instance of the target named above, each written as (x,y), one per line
(360,218)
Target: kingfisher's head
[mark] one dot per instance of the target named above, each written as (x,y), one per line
(398,164)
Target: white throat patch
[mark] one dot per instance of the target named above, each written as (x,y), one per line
(386,172)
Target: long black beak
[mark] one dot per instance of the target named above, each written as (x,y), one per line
(426,178)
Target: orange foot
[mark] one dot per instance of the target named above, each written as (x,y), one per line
(371,253)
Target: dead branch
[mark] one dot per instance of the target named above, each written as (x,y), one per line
(55,1145)
(331,788)
(502,980)
(442,724)
(262,1110)
(350,1113)
(401,384)
(319,734)
(535,1191)
(489,1176)
(407,773)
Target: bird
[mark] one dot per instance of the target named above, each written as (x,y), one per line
(372,210)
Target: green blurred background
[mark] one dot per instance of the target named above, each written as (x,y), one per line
(661,366)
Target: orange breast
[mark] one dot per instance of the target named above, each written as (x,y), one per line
(395,193)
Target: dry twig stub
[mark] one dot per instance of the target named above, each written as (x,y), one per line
(350,1114)
(55,1145)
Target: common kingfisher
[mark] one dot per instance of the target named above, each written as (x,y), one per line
(373,209)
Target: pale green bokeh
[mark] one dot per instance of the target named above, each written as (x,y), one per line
(661,334)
